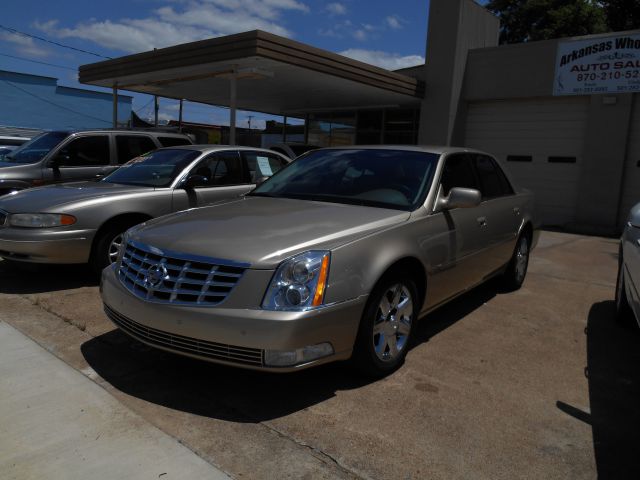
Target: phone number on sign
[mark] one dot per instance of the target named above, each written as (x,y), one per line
(592,77)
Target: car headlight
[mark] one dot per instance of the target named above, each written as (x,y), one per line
(41,220)
(299,282)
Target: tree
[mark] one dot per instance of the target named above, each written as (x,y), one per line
(622,14)
(528,20)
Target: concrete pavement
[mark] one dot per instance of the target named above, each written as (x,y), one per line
(58,424)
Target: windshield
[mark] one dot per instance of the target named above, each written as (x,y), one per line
(156,169)
(397,179)
(34,150)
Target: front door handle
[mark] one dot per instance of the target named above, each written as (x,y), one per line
(516,210)
(482,221)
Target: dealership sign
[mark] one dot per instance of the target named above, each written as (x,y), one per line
(598,65)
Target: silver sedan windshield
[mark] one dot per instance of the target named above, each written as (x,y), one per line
(156,169)
(386,178)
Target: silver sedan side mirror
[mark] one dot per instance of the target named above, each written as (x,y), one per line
(461,198)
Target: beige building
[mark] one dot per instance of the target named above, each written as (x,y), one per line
(561,114)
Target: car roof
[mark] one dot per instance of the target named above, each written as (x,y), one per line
(118,130)
(436,149)
(205,148)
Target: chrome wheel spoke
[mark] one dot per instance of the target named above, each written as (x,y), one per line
(385,306)
(397,295)
(404,327)
(392,343)
(405,308)
(378,328)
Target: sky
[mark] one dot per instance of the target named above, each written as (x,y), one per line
(390,34)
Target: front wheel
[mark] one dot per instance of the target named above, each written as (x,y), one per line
(386,327)
(107,247)
(516,271)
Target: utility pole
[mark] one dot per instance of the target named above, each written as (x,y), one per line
(250,117)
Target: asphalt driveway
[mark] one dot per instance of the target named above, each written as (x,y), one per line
(539,383)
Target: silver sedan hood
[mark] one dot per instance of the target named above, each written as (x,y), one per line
(264,231)
(51,197)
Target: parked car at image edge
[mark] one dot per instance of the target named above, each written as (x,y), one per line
(83,222)
(66,156)
(627,293)
(334,257)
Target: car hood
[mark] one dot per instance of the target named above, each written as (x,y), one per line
(263,231)
(51,197)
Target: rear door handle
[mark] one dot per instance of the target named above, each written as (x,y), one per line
(482,221)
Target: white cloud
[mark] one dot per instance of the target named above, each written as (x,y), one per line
(336,8)
(394,22)
(390,61)
(360,34)
(24,45)
(183,21)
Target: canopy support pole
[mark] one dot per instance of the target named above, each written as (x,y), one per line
(232,106)
(115,106)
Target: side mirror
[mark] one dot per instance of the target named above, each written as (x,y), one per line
(461,198)
(194,181)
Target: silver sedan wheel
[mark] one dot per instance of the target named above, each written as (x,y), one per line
(522,259)
(392,325)
(114,248)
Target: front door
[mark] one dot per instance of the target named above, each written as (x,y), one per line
(223,177)
(81,158)
(463,265)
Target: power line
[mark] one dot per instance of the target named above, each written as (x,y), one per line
(18,32)
(53,103)
(36,61)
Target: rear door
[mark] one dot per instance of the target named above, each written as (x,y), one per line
(86,157)
(224,178)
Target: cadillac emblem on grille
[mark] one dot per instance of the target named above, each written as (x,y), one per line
(156,274)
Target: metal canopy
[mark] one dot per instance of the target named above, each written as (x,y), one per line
(274,75)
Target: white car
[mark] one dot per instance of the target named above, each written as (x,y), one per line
(628,284)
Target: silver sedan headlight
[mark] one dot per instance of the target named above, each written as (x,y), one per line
(299,282)
(40,220)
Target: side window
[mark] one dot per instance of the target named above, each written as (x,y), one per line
(173,141)
(131,146)
(491,182)
(223,168)
(262,164)
(458,172)
(85,152)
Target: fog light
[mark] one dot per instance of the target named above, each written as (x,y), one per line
(289,358)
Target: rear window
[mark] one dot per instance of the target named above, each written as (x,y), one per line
(173,141)
(261,164)
(131,146)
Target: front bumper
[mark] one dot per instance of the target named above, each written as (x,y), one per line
(46,245)
(231,336)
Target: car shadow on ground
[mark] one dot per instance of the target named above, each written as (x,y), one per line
(39,278)
(613,371)
(234,394)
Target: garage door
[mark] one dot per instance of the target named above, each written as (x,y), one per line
(631,183)
(540,141)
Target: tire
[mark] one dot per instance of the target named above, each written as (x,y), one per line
(105,249)
(384,337)
(624,314)
(514,275)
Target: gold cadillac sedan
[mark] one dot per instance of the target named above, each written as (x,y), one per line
(335,257)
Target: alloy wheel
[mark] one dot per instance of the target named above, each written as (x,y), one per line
(392,325)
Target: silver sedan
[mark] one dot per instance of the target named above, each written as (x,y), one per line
(628,284)
(334,257)
(84,222)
